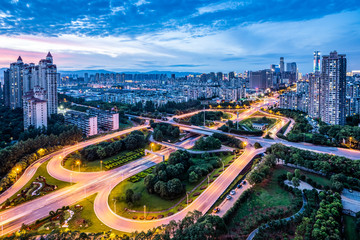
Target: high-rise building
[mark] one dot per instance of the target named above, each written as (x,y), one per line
(16,83)
(314,95)
(260,79)
(35,108)
(282,65)
(219,76)
(333,88)
(23,81)
(316,61)
(48,81)
(291,67)
(231,75)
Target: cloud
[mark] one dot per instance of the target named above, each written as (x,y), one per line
(222,35)
(221,6)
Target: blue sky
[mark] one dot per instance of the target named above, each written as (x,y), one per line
(178,35)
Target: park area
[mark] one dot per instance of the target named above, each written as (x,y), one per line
(267,201)
(39,185)
(247,124)
(109,154)
(155,206)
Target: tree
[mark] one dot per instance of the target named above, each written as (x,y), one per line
(193,177)
(297,173)
(174,187)
(101,153)
(158,136)
(149,182)
(160,188)
(129,195)
(176,132)
(289,176)
(257,145)
(149,106)
(295,181)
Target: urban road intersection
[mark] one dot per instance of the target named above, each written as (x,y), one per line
(83,184)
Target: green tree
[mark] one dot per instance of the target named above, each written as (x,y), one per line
(193,177)
(295,181)
(129,195)
(289,176)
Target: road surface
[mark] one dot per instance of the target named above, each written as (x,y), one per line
(102,182)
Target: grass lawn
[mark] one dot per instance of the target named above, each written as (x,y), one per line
(267,197)
(89,215)
(350,228)
(123,126)
(249,121)
(41,171)
(153,202)
(315,177)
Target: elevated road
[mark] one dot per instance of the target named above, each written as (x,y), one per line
(102,182)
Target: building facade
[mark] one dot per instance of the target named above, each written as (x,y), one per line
(333,88)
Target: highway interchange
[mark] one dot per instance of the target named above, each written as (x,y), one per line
(83,184)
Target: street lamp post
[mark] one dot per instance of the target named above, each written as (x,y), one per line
(78,163)
(350,141)
(16,171)
(208,180)
(223,164)
(152,145)
(144,212)
(100,165)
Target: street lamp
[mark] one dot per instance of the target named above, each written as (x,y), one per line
(152,145)
(350,141)
(222,164)
(16,171)
(208,179)
(144,211)
(78,163)
(100,165)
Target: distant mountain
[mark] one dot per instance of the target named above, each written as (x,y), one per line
(80,73)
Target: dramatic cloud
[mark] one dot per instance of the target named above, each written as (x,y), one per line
(196,35)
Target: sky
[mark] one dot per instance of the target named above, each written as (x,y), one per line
(178,35)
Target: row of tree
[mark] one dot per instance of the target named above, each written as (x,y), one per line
(165,131)
(207,143)
(194,226)
(198,119)
(134,140)
(229,140)
(12,124)
(343,172)
(14,159)
(328,217)
(262,170)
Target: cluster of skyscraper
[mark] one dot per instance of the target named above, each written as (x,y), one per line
(323,94)
(33,88)
(275,78)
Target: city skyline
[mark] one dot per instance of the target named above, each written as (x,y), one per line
(188,36)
